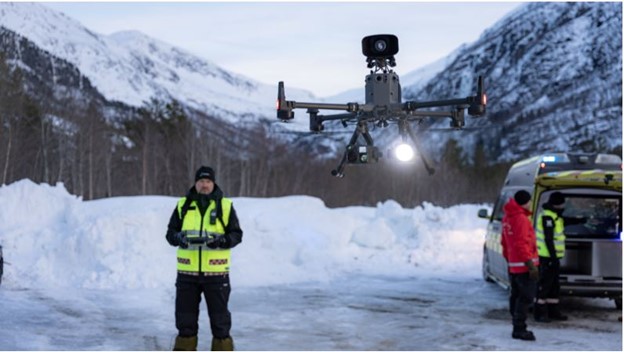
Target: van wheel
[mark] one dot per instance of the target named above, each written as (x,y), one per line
(485,267)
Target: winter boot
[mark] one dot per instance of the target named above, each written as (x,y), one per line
(540,313)
(523,335)
(185,343)
(226,344)
(554,313)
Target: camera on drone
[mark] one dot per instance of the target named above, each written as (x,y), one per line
(382,105)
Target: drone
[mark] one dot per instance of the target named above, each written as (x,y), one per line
(382,106)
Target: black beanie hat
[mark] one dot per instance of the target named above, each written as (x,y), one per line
(522,197)
(205,172)
(556,198)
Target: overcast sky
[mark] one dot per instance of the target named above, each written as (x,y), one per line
(315,46)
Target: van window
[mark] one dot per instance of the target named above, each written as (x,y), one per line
(500,203)
(592,216)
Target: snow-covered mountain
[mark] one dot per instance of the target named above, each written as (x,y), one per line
(130,67)
(553,76)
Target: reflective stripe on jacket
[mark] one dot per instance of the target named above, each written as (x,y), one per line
(518,239)
(200,258)
(558,235)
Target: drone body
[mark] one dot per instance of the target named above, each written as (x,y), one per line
(383,105)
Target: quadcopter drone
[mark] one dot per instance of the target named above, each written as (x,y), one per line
(382,106)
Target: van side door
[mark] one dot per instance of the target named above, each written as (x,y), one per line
(498,264)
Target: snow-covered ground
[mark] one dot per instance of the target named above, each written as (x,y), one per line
(99,275)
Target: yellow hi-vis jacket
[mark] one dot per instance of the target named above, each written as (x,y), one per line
(558,235)
(200,258)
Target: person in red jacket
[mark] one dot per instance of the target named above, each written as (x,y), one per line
(520,251)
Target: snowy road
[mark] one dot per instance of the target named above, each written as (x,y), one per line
(383,313)
(353,313)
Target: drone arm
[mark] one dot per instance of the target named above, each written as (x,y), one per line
(345,116)
(351,107)
(285,107)
(476,104)
(316,120)
(456,116)
(431,113)
(414,105)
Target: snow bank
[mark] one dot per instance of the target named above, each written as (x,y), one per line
(52,238)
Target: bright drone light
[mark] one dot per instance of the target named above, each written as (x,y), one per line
(404,152)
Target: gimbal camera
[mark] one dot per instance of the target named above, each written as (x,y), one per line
(383,105)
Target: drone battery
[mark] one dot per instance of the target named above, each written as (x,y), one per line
(383,89)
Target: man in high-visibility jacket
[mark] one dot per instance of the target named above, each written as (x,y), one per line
(520,251)
(204,226)
(551,248)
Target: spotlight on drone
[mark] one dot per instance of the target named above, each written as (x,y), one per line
(404,152)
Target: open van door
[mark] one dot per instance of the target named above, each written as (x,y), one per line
(592,264)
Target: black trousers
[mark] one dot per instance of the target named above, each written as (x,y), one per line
(521,297)
(216,291)
(548,286)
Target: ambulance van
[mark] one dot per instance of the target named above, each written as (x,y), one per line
(592,186)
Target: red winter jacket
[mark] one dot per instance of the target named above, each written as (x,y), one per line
(518,240)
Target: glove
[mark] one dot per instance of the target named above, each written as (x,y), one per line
(180,237)
(219,241)
(533,272)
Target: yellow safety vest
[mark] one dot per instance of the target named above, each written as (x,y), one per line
(201,258)
(558,235)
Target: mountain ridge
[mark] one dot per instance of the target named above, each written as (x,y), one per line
(548,69)
(131,67)
(553,76)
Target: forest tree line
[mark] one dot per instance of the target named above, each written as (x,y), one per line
(155,150)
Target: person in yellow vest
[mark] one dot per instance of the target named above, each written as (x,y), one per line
(204,227)
(551,248)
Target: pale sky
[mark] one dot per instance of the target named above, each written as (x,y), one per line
(310,45)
